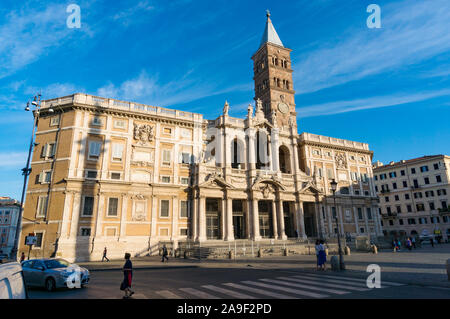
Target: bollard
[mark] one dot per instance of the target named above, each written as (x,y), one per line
(260,253)
(375,249)
(448,269)
(347,250)
(285,252)
(334,263)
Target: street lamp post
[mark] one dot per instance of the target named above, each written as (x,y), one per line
(26,172)
(341,257)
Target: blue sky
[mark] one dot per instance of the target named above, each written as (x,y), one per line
(388,87)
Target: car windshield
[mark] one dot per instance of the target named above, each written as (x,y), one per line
(56,263)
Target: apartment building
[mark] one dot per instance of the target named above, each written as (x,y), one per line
(415,196)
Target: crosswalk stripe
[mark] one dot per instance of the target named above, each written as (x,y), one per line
(229,292)
(199,293)
(168,294)
(335,281)
(259,291)
(313,281)
(387,283)
(294,291)
(285,281)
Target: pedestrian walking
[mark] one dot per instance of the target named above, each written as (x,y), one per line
(127,277)
(432,242)
(164,254)
(321,256)
(104,255)
(413,242)
(317,253)
(22,257)
(408,243)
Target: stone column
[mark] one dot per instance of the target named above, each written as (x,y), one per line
(355,213)
(175,214)
(153,233)
(331,220)
(65,220)
(194,221)
(229,223)
(255,214)
(248,220)
(301,220)
(223,218)
(366,221)
(99,219)
(282,231)
(202,219)
(76,211)
(251,149)
(123,217)
(274,220)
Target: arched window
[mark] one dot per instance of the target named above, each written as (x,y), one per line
(262,150)
(284,159)
(237,154)
(345,190)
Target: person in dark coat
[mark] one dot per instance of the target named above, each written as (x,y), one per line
(164,254)
(22,257)
(104,255)
(127,276)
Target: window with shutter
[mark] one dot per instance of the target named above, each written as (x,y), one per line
(164,208)
(88,206)
(117,152)
(184,209)
(94,149)
(42,207)
(112,206)
(166,157)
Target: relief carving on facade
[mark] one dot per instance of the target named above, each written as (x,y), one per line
(341,162)
(143,133)
(139,211)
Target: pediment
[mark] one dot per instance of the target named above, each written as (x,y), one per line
(259,182)
(310,189)
(216,182)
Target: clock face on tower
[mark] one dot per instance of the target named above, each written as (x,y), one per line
(283,108)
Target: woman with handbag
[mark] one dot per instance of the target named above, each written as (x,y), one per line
(127,277)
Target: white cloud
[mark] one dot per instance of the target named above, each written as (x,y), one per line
(130,16)
(54,90)
(148,89)
(412,31)
(30,33)
(368,103)
(13,159)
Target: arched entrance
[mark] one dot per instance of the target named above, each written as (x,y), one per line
(284,159)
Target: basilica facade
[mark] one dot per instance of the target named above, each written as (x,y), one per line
(127,176)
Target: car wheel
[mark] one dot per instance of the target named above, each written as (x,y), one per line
(50,284)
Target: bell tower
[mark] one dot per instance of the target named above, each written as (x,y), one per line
(273,76)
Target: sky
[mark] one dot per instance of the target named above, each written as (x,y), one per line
(388,87)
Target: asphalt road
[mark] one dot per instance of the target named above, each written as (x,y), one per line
(235,283)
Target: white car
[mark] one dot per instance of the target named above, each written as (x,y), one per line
(12,284)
